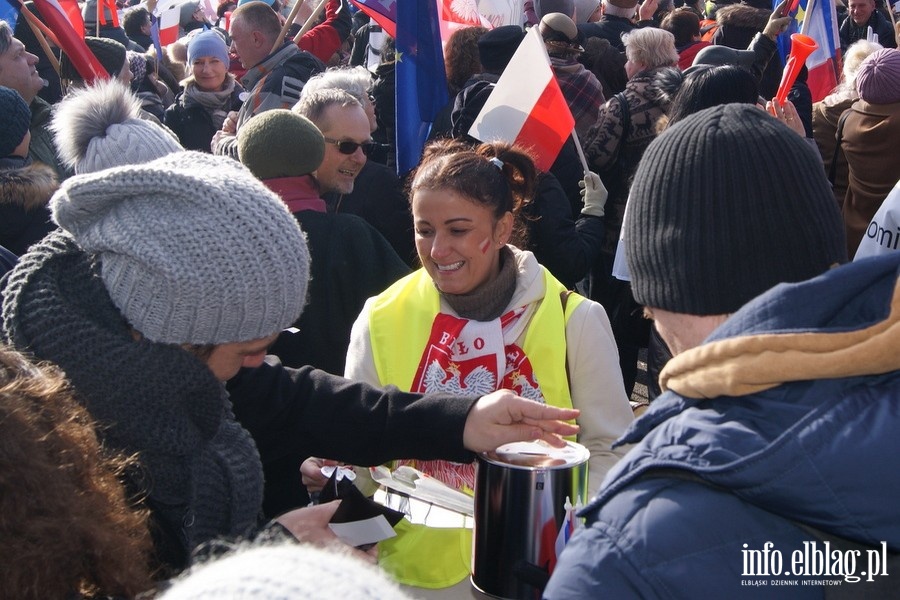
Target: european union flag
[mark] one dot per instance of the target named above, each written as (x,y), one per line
(9,12)
(421,81)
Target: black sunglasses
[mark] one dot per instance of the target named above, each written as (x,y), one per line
(347,147)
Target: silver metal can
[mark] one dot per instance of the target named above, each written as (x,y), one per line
(521,494)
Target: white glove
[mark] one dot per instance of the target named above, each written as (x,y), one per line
(593,194)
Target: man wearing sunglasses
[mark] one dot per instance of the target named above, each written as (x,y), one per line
(341,119)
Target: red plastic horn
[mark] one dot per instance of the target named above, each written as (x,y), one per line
(801,47)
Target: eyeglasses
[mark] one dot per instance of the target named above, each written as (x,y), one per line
(347,147)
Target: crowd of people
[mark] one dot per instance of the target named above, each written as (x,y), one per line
(216,285)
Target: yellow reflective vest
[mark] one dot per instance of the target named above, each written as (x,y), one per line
(400,323)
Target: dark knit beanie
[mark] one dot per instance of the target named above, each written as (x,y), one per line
(497,46)
(280,143)
(16,118)
(726,204)
(110,53)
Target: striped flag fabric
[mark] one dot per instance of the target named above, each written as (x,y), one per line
(459,14)
(169,18)
(566,529)
(57,19)
(526,107)
(818,20)
(383,12)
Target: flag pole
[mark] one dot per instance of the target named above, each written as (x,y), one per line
(40,30)
(287,24)
(309,22)
(580,151)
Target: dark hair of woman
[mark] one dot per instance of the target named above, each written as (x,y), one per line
(711,86)
(66,526)
(461,57)
(494,174)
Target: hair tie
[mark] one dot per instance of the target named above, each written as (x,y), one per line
(496,162)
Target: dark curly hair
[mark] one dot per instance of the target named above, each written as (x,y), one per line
(504,185)
(461,59)
(66,525)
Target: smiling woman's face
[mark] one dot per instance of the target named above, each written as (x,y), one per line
(209,73)
(457,239)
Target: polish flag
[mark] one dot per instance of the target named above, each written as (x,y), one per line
(169,18)
(526,107)
(73,12)
(70,41)
(459,14)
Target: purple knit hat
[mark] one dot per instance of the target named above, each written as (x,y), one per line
(878,78)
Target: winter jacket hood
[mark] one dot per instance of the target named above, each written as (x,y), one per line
(818,362)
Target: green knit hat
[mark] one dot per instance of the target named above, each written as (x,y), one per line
(280,143)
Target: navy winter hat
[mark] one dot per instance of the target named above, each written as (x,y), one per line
(726,204)
(16,118)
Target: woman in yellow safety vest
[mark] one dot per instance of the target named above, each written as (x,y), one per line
(482,315)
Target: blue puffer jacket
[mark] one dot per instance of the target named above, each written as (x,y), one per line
(799,426)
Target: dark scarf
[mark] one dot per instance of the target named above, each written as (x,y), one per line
(200,470)
(488,301)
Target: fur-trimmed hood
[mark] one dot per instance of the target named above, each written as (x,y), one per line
(29,187)
(741,15)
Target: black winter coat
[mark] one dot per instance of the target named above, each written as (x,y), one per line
(194,125)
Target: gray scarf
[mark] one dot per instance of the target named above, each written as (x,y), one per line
(200,470)
(217,104)
(489,300)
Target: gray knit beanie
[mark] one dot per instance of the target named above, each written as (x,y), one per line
(724,205)
(280,143)
(100,126)
(193,248)
(285,572)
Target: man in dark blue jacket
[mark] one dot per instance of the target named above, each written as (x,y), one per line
(762,462)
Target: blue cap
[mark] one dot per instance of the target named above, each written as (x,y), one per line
(207,43)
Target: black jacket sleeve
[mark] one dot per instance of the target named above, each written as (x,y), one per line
(308,412)
(567,248)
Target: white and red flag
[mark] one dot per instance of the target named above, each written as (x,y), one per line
(169,18)
(69,39)
(526,107)
(459,14)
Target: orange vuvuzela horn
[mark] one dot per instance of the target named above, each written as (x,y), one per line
(801,47)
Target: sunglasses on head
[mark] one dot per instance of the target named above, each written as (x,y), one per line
(348,147)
